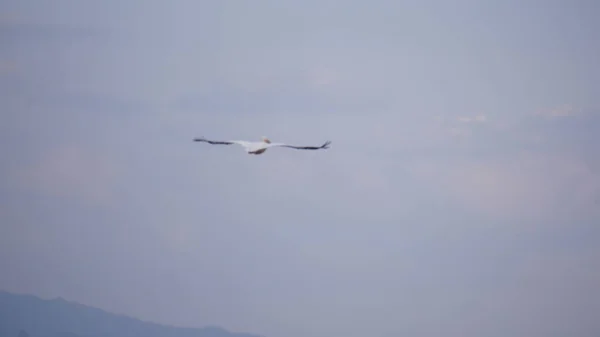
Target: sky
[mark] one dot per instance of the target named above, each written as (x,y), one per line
(460,195)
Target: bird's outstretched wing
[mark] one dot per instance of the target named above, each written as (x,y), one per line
(213,142)
(324,146)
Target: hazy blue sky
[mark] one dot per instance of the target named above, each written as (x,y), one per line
(460,196)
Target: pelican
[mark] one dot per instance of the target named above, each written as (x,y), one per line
(257,148)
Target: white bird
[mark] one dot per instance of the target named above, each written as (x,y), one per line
(260,147)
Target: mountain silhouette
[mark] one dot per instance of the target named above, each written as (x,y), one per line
(31,316)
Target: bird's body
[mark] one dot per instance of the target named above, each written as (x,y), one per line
(257,148)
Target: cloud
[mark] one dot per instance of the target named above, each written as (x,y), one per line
(475,119)
(525,185)
(532,170)
(72,172)
(461,126)
(562,111)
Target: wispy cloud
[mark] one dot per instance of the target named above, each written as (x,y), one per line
(525,185)
(519,167)
(560,111)
(475,119)
(72,172)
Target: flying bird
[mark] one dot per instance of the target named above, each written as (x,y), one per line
(260,147)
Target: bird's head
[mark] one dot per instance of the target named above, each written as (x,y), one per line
(265,139)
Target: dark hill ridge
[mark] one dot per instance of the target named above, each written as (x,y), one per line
(59,318)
